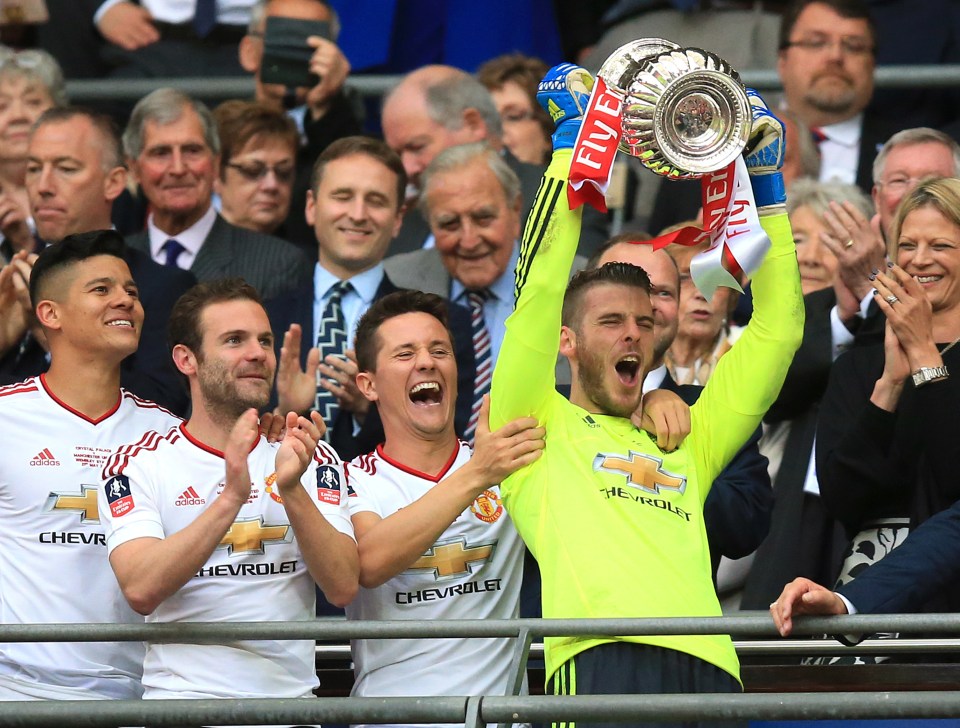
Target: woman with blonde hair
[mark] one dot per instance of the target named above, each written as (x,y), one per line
(887,455)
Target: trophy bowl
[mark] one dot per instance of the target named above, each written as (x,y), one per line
(685,111)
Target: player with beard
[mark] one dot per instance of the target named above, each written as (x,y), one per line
(209,522)
(616,522)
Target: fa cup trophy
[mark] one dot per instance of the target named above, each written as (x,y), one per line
(685,111)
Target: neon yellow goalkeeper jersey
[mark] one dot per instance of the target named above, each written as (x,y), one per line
(615,523)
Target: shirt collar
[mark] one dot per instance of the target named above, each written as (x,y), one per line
(654,379)
(365,284)
(191,239)
(845,132)
(502,288)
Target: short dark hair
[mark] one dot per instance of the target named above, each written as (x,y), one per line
(373,148)
(70,251)
(184,324)
(621,274)
(103,124)
(852,9)
(240,122)
(636,236)
(367,343)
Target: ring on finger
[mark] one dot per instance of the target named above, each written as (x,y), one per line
(891,299)
(849,244)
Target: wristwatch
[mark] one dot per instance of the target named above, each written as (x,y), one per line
(925,375)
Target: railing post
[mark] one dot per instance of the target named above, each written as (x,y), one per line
(518,665)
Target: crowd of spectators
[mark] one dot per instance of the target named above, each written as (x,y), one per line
(285,191)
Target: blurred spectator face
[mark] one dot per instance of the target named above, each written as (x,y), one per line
(664,289)
(818,266)
(906,165)
(699,319)
(929,250)
(257,183)
(251,47)
(522,133)
(417,138)
(176,170)
(827,71)
(70,182)
(474,224)
(355,213)
(22,100)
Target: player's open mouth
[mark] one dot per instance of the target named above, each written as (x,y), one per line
(628,369)
(426,393)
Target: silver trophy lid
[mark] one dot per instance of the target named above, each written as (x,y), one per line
(624,63)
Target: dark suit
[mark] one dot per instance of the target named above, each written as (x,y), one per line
(297,308)
(270,265)
(736,514)
(149,372)
(923,567)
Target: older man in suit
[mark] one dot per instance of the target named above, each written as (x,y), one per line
(74,173)
(173,152)
(472,201)
(355,208)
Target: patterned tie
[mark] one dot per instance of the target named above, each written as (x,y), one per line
(173,249)
(482,358)
(204,17)
(331,339)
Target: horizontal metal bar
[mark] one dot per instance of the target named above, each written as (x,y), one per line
(745,624)
(612,708)
(269,711)
(749,706)
(87,90)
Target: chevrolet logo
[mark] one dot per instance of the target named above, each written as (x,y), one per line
(452,558)
(642,471)
(85,502)
(250,536)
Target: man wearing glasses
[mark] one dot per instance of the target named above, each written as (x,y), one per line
(826,62)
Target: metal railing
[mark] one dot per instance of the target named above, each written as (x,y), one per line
(85,91)
(476,711)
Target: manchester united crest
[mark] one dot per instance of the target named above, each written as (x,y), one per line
(487,506)
(272,490)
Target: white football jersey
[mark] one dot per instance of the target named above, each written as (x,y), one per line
(53,556)
(158,488)
(473,571)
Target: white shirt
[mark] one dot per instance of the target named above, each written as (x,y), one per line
(354,302)
(229,12)
(840,151)
(257,574)
(473,571)
(53,556)
(192,239)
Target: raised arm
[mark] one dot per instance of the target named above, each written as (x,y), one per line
(748,378)
(390,545)
(152,568)
(329,554)
(524,376)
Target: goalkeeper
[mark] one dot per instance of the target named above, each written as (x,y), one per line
(615,522)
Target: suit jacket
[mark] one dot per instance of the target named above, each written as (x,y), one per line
(297,307)
(736,514)
(149,372)
(423,270)
(804,539)
(923,567)
(271,265)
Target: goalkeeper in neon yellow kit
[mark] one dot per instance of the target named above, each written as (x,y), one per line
(615,523)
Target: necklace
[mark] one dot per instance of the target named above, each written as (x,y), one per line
(949,346)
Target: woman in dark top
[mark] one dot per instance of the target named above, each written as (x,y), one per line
(887,449)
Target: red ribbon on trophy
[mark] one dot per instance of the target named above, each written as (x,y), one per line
(595,148)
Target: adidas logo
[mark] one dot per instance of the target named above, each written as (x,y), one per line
(44,457)
(189,497)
